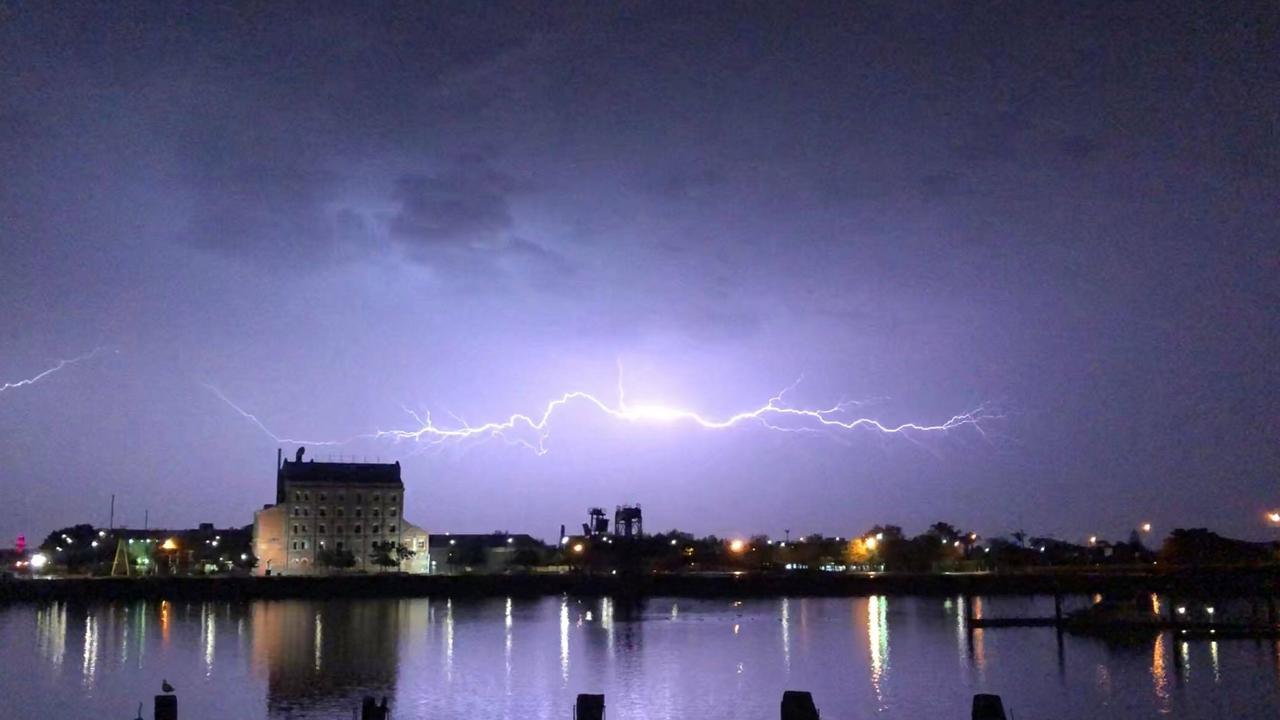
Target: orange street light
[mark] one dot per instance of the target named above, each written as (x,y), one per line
(737,546)
(1274,517)
(1146,527)
(871,543)
(578,548)
(169,544)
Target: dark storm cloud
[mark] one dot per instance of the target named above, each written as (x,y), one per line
(466,202)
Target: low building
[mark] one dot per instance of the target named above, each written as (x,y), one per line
(485,554)
(327,511)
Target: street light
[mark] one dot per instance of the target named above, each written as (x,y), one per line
(578,548)
(38,561)
(737,546)
(871,543)
(1146,527)
(1274,517)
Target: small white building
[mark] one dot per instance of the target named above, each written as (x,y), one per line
(325,510)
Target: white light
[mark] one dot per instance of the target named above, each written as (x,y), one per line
(510,540)
(673,542)
(93,544)
(59,549)
(1182,611)
(244,556)
(102,533)
(879,536)
(453,542)
(39,560)
(1209,610)
(565,540)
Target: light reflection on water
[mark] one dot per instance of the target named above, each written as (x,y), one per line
(528,658)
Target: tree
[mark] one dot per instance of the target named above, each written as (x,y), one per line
(403,552)
(336,559)
(390,554)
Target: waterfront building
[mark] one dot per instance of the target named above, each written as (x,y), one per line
(485,554)
(327,510)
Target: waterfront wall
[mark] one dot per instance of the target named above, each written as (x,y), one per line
(1208,583)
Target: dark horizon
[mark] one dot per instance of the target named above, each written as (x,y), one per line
(1047,234)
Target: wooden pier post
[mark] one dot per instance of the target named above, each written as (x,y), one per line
(370,710)
(1057,608)
(589,707)
(166,707)
(798,705)
(987,707)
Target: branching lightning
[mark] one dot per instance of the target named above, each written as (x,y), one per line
(533,430)
(59,366)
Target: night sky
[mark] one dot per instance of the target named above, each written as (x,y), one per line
(1066,216)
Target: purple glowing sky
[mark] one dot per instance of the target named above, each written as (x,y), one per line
(334,216)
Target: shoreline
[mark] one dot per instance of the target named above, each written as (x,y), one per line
(1224,582)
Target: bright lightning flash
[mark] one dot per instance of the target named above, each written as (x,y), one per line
(60,365)
(773,415)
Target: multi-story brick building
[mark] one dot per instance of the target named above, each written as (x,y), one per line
(326,509)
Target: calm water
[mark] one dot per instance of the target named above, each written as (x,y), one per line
(861,657)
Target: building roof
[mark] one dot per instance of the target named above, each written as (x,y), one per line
(341,473)
(488,540)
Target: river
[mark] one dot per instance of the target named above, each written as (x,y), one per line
(888,657)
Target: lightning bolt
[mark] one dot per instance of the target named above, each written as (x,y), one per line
(60,365)
(775,414)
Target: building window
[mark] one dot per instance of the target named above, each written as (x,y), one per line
(359,512)
(340,512)
(295,529)
(374,529)
(321,529)
(422,544)
(295,544)
(391,528)
(304,544)
(323,496)
(391,512)
(297,496)
(359,498)
(375,497)
(306,512)
(356,530)
(375,512)
(296,511)
(322,512)
(304,528)
(391,498)
(338,530)
(339,544)
(306,497)
(342,497)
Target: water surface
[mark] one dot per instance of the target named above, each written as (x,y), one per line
(895,657)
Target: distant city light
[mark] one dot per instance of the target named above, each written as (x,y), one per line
(1146,527)
(1274,516)
(1182,610)
(453,542)
(1209,610)
(169,544)
(510,540)
(38,561)
(737,546)
(93,544)
(102,533)
(244,556)
(1093,539)
(673,541)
